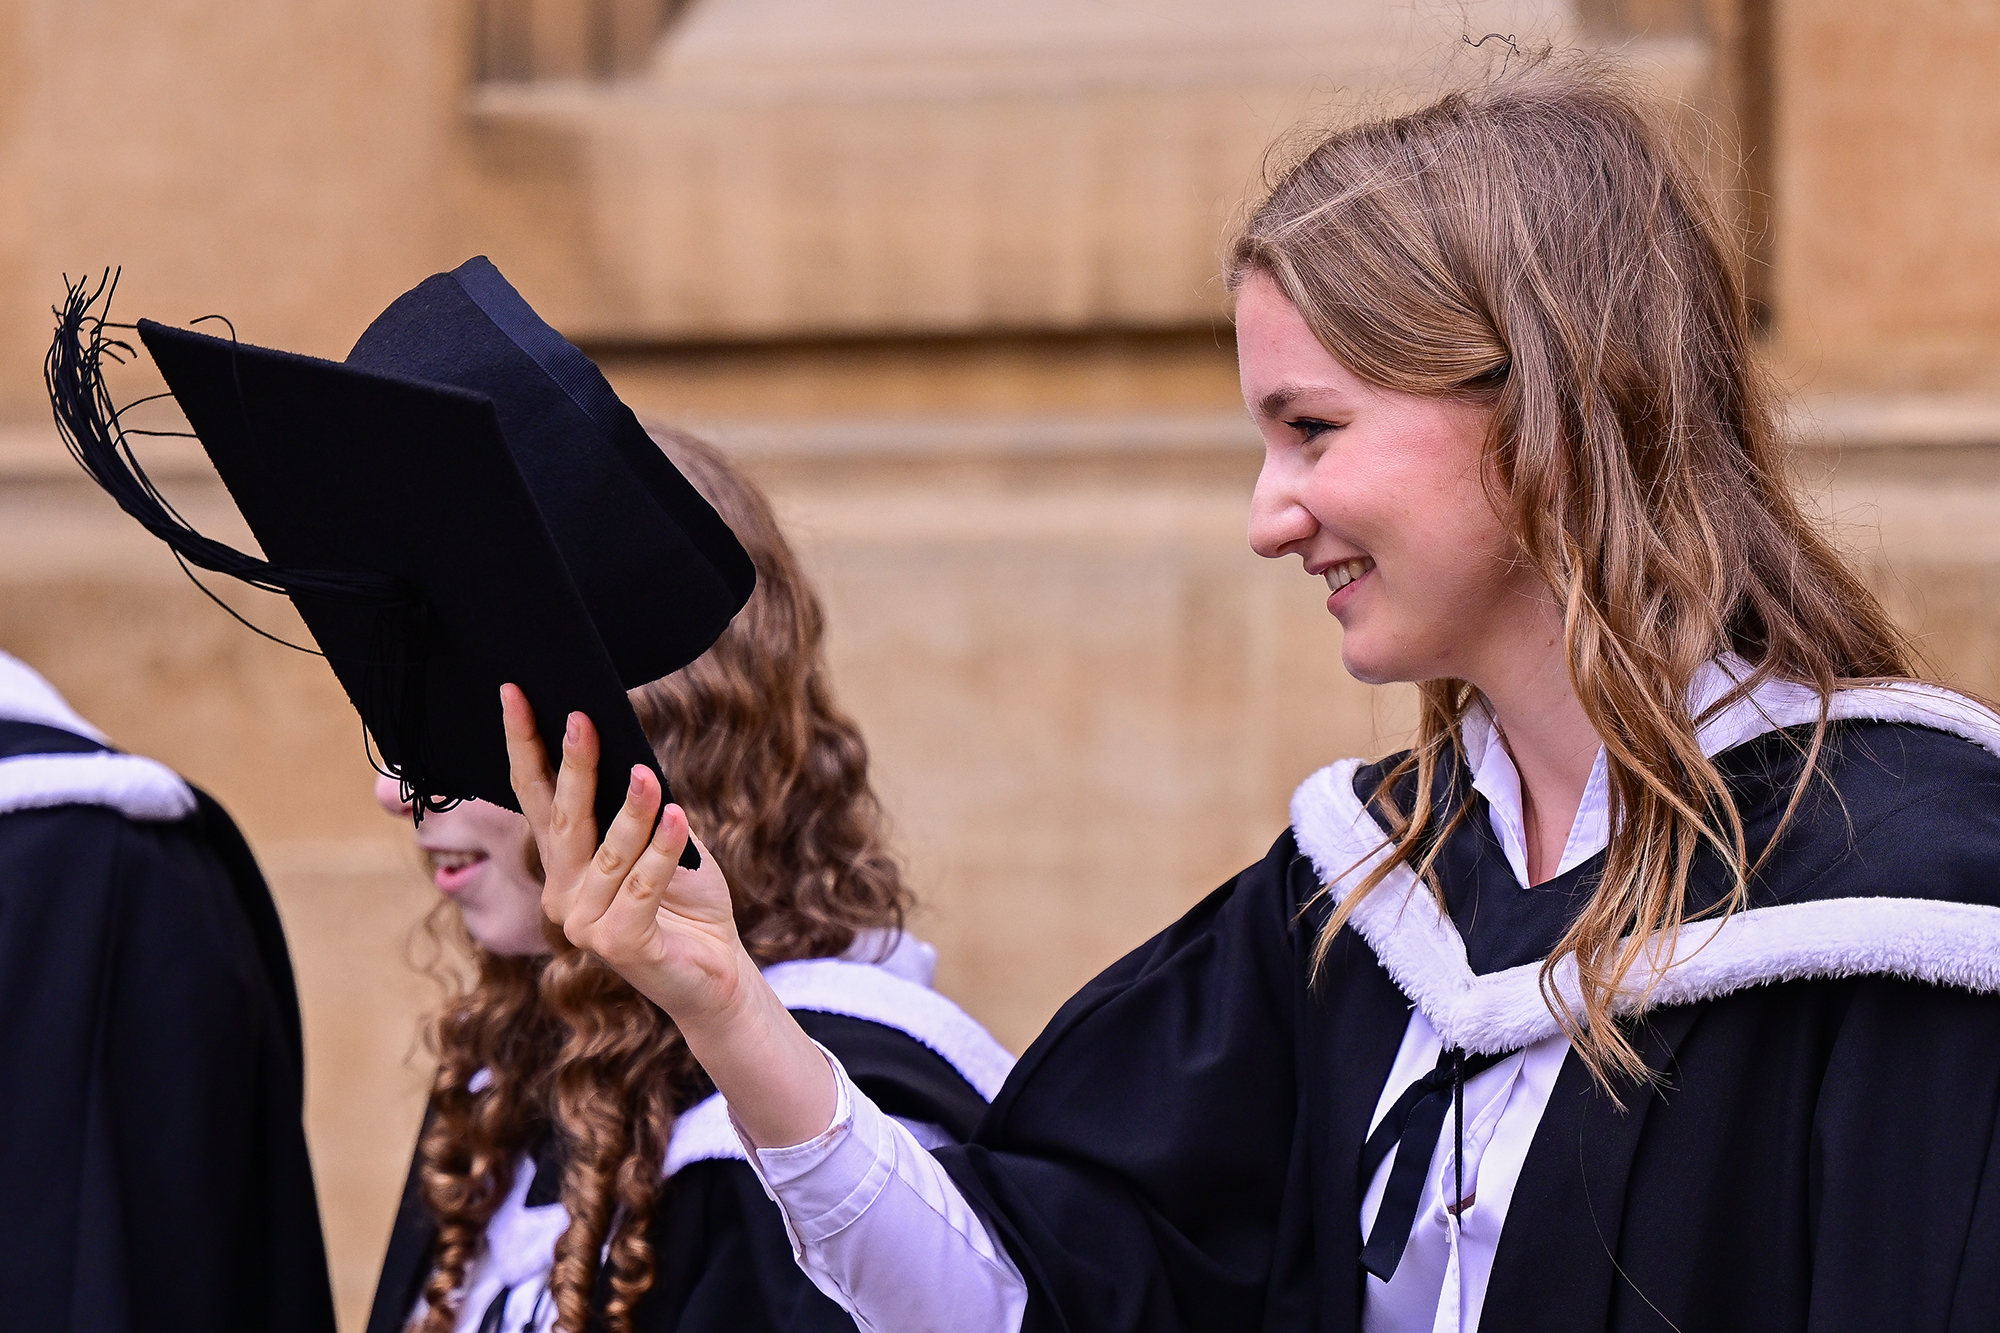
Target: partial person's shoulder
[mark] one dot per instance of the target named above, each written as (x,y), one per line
(80,820)
(88,827)
(1253,912)
(1890,764)
(51,757)
(916,1053)
(66,841)
(1892,745)
(1863,771)
(150,910)
(1234,958)
(1921,806)
(131,785)
(74,841)
(1903,800)
(879,996)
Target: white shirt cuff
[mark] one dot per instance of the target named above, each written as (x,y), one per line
(865,1206)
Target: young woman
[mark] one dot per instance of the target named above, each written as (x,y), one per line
(574,1170)
(1653,988)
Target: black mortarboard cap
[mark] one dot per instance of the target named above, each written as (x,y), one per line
(463,502)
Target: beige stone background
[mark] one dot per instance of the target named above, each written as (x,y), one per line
(942,273)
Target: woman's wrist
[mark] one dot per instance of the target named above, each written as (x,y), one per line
(739,1006)
(777,1082)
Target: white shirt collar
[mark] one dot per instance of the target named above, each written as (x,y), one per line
(1495,777)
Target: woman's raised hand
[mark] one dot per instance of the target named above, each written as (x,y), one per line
(670,932)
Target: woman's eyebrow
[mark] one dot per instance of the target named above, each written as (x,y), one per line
(1279,400)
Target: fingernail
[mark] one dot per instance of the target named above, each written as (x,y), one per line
(569,731)
(632,787)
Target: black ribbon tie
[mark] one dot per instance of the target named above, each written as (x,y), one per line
(1411,1127)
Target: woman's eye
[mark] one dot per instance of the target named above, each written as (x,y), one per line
(1311,428)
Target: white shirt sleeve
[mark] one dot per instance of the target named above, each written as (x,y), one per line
(879,1226)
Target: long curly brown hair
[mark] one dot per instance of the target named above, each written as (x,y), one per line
(774,777)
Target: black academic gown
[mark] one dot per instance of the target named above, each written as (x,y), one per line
(153,1169)
(723,1263)
(1180,1149)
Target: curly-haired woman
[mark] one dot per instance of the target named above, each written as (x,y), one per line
(1657,986)
(575,1169)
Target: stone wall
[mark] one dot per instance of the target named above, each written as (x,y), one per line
(1886,196)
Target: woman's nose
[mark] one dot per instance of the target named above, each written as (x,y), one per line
(389,793)
(1277,520)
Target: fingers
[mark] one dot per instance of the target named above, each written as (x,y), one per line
(527,759)
(699,895)
(634,910)
(560,805)
(573,813)
(580,900)
(669,932)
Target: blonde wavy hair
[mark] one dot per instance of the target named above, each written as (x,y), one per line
(1539,245)
(774,777)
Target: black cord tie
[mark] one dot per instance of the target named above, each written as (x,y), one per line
(1412,1127)
(495,1318)
(496,1313)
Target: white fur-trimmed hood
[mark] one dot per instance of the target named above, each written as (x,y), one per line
(1945,943)
(136,787)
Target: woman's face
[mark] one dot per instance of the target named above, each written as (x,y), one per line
(477,855)
(1380,493)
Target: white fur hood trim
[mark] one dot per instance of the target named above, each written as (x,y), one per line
(1955,944)
(136,787)
(884,992)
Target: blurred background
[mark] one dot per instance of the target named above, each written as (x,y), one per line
(942,274)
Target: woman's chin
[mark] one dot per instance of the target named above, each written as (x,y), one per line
(510,939)
(1373,668)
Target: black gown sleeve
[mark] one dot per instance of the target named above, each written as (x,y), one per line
(724,1264)
(155,1172)
(407,1261)
(1904,1168)
(1135,1164)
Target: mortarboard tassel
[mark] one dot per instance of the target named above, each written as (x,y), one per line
(91,429)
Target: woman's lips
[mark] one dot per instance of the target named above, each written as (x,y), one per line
(1342,578)
(451,871)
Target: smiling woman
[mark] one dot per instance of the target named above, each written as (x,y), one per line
(574,1170)
(1387,495)
(482,860)
(1650,989)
